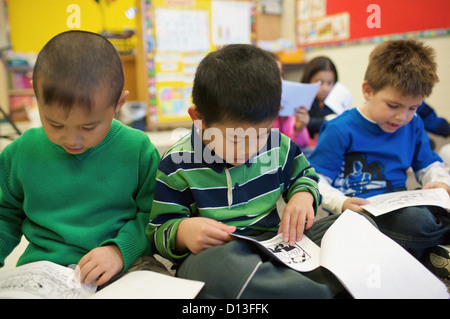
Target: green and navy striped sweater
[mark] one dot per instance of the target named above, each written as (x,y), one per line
(245,196)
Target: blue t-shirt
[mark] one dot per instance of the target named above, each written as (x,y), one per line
(362,160)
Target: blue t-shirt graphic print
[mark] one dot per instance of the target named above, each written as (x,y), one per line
(362,160)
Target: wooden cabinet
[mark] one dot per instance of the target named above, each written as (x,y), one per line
(20,94)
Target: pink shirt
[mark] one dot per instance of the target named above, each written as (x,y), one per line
(286,126)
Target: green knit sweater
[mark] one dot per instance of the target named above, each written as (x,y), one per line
(67,205)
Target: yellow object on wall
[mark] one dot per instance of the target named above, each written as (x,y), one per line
(33,23)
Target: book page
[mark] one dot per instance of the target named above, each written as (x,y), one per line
(150,285)
(385,203)
(371,265)
(303,256)
(43,280)
(294,95)
(339,99)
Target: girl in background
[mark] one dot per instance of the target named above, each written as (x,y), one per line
(293,126)
(320,69)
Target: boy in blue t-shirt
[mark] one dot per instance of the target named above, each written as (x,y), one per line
(367,150)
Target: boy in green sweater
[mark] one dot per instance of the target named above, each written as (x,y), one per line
(227,175)
(80,188)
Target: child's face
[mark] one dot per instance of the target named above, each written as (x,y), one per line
(328,79)
(79,130)
(236,142)
(388,108)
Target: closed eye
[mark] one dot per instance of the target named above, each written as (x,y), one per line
(392,106)
(88,128)
(57,126)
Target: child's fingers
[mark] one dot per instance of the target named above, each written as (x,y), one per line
(93,275)
(216,233)
(299,229)
(214,241)
(104,277)
(218,236)
(226,228)
(354,204)
(84,267)
(89,273)
(293,225)
(100,265)
(284,225)
(290,226)
(310,220)
(305,221)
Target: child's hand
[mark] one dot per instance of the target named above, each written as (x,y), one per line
(301,118)
(437,185)
(354,204)
(199,233)
(100,264)
(299,210)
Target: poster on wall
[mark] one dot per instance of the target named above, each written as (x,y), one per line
(324,22)
(315,26)
(231,22)
(182,38)
(184,32)
(174,75)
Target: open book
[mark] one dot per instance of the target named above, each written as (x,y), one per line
(368,263)
(47,280)
(385,203)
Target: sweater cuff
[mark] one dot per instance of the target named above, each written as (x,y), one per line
(129,247)
(165,238)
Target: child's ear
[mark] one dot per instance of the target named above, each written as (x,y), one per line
(367,90)
(196,117)
(122,99)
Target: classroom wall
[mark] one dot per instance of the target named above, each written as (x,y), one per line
(33,23)
(351,62)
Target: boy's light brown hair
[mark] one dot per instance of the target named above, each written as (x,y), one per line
(406,65)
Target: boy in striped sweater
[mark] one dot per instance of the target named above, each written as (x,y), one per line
(227,175)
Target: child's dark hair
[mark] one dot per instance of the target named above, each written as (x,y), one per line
(238,82)
(316,65)
(408,66)
(73,66)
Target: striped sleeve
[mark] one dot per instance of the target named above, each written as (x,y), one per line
(172,203)
(298,174)
(170,207)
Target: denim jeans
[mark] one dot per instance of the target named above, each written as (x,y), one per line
(417,228)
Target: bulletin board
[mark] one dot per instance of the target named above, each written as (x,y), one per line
(323,22)
(183,32)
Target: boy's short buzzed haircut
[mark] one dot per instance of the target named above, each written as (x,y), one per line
(238,83)
(406,65)
(75,65)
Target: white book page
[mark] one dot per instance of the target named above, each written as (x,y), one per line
(339,99)
(43,280)
(150,285)
(303,256)
(385,203)
(294,95)
(371,265)
(47,280)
